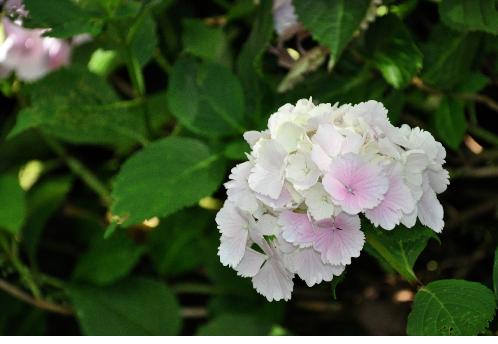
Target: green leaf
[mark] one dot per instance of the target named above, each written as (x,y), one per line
(332,22)
(134,307)
(470,15)
(451,307)
(249,63)
(144,39)
(399,248)
(164,177)
(448,56)
(65,18)
(207,42)
(450,122)
(80,107)
(12,204)
(495,274)
(183,254)
(206,98)
(43,201)
(234,325)
(236,150)
(394,51)
(108,260)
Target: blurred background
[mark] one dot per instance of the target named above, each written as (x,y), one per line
(115,75)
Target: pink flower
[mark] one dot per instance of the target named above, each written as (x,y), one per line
(397,201)
(355,184)
(296,228)
(339,239)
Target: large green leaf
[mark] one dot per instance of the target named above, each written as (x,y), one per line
(80,107)
(450,122)
(65,18)
(12,204)
(398,248)
(144,39)
(164,177)
(108,260)
(205,41)
(134,307)
(471,15)
(394,51)
(448,56)
(451,307)
(332,22)
(235,325)
(206,98)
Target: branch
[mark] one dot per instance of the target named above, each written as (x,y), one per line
(41,304)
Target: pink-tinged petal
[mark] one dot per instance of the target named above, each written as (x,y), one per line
(251,263)
(308,265)
(267,176)
(340,239)
(231,221)
(273,281)
(231,249)
(355,184)
(430,211)
(296,228)
(397,201)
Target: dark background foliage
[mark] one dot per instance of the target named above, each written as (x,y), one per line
(146,123)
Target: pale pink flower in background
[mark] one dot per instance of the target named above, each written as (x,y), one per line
(338,239)
(355,184)
(284,16)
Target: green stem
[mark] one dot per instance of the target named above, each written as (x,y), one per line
(23,271)
(79,170)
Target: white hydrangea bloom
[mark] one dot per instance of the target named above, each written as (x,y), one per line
(294,207)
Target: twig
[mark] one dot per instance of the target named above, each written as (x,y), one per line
(476,172)
(479,98)
(80,170)
(38,303)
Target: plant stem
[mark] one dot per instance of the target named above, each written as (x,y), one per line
(79,170)
(23,271)
(483,134)
(38,303)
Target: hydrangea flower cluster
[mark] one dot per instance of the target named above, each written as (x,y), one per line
(25,51)
(294,207)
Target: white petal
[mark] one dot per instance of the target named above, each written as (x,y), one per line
(319,202)
(267,225)
(273,281)
(251,263)
(308,265)
(430,211)
(231,249)
(267,176)
(231,221)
